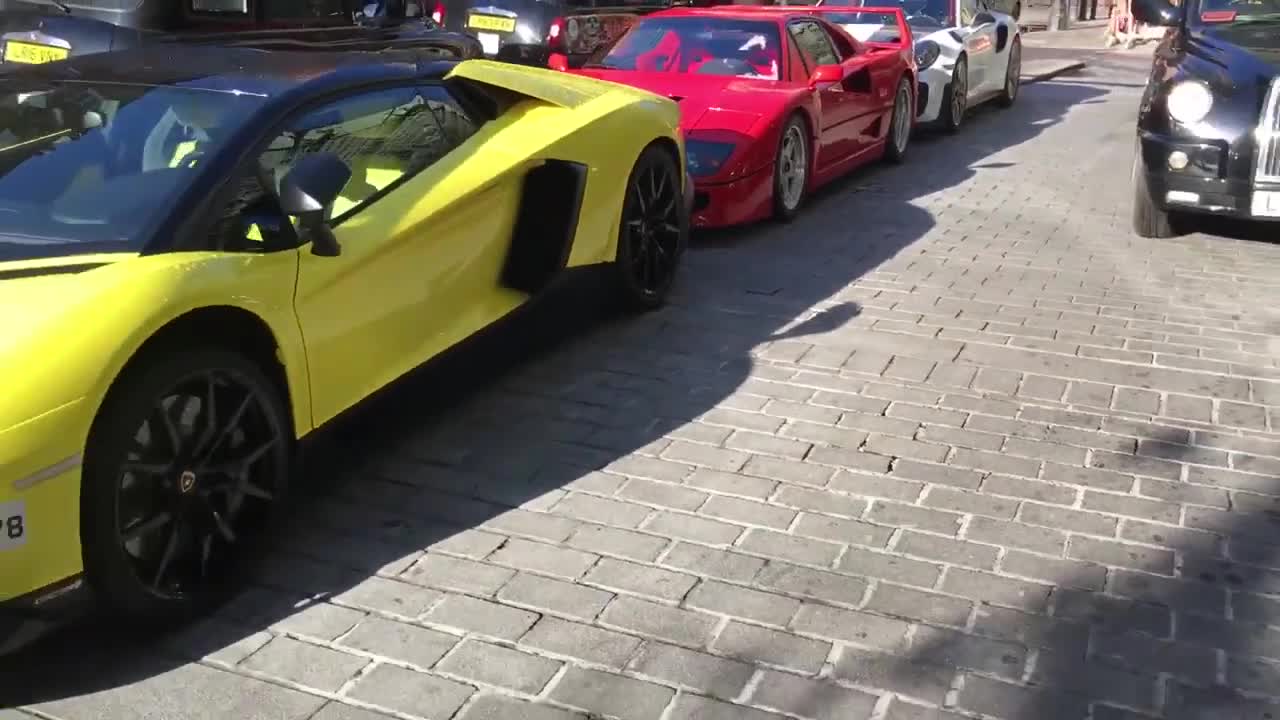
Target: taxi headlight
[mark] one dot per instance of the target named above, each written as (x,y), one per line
(1189,102)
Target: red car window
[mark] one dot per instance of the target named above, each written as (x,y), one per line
(697,45)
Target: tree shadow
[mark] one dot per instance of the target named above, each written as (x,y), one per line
(503,443)
(1182,626)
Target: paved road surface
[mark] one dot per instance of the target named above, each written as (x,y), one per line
(953,439)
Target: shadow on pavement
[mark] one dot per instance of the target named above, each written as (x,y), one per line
(452,457)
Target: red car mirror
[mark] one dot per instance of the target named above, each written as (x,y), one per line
(826,74)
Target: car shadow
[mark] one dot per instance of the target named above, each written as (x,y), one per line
(459,462)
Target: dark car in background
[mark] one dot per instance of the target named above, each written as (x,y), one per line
(37,31)
(1209,122)
(529,31)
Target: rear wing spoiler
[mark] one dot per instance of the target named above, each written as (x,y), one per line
(862,23)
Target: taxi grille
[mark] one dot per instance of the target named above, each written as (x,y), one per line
(1268,135)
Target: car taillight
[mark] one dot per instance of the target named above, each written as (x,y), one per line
(437,15)
(555,35)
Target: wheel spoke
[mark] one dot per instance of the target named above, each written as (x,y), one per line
(143,528)
(210,411)
(232,424)
(170,429)
(247,487)
(143,468)
(166,558)
(224,529)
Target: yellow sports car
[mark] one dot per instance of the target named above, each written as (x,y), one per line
(203,261)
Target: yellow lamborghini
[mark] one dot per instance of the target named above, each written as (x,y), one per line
(202,262)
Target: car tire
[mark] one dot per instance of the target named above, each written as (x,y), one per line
(221,483)
(791,165)
(653,233)
(1012,75)
(1149,219)
(900,122)
(954,107)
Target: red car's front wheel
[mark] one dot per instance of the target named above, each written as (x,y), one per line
(791,169)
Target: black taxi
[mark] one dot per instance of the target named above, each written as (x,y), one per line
(530,31)
(38,31)
(1209,121)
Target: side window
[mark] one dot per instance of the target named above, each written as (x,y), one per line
(385,137)
(844,48)
(814,44)
(221,7)
(305,10)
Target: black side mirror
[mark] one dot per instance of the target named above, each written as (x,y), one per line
(308,191)
(1157,12)
(983,18)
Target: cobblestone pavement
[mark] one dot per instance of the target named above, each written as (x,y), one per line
(953,443)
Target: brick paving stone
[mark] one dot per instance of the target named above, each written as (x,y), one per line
(953,443)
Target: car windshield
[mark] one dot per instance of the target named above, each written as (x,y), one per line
(876,27)
(921,14)
(86,167)
(697,45)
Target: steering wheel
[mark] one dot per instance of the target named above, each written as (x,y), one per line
(189,160)
(922,16)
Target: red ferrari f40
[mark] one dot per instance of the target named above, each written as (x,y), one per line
(775,100)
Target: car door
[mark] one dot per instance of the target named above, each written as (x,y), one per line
(978,27)
(837,133)
(871,94)
(422,239)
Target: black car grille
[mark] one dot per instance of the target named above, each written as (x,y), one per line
(1268,135)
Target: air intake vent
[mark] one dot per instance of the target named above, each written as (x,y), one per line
(677,98)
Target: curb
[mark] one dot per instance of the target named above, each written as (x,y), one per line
(1053,70)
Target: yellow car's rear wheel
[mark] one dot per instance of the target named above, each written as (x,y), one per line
(186,465)
(654,230)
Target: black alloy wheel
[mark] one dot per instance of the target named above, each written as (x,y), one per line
(186,467)
(654,230)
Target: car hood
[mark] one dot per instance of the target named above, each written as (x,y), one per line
(1253,49)
(709,102)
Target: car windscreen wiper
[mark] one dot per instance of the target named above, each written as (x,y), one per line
(61,6)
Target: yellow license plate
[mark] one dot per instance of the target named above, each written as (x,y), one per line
(489,22)
(25,52)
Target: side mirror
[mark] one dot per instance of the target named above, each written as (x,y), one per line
(826,74)
(557,61)
(1157,12)
(982,18)
(308,191)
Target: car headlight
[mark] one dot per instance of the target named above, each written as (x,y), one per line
(1189,102)
(926,53)
(707,157)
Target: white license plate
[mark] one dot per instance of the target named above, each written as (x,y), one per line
(1266,203)
(13,525)
(488,42)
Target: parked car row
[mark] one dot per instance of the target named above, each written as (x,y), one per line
(284,220)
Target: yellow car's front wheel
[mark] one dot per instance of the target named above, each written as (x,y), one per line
(186,465)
